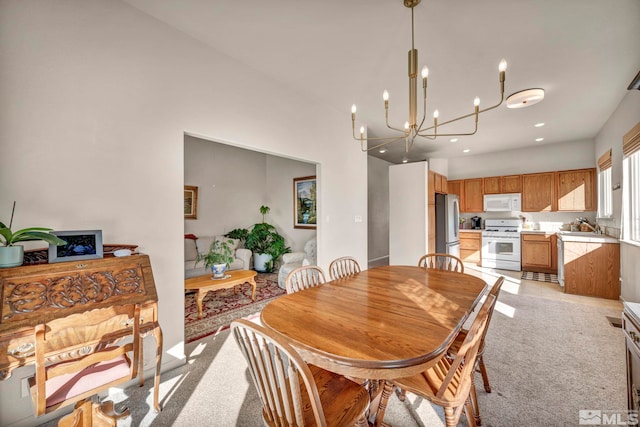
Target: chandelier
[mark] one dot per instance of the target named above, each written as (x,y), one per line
(413,129)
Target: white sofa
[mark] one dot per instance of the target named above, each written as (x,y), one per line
(294,260)
(242,257)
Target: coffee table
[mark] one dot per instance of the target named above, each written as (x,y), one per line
(204,284)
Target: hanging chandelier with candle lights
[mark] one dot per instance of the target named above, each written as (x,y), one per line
(413,129)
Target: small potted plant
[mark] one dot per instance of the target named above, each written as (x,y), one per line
(12,255)
(218,258)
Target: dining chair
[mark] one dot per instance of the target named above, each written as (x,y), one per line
(82,354)
(304,277)
(292,392)
(444,262)
(343,267)
(449,383)
(479,362)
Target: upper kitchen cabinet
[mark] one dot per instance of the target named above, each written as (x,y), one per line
(577,190)
(457,187)
(473,195)
(538,192)
(511,184)
(503,184)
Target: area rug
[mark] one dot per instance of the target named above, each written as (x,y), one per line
(221,307)
(540,277)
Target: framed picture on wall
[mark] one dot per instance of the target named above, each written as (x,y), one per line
(190,202)
(305,202)
(81,244)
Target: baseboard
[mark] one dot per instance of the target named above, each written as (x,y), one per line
(378,259)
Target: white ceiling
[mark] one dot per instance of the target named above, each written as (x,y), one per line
(584,53)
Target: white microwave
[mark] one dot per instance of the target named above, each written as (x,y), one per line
(502,202)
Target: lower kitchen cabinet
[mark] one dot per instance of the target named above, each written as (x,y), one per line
(592,269)
(539,252)
(631,327)
(471,246)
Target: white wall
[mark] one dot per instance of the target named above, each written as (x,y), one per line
(621,121)
(96,99)
(279,196)
(543,158)
(378,208)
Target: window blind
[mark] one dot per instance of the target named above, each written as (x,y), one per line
(604,162)
(631,141)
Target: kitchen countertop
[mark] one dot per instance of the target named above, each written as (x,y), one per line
(470,230)
(537,232)
(586,237)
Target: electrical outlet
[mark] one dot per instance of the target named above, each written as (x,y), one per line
(358,218)
(24,387)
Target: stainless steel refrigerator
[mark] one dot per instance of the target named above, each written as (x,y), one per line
(447,224)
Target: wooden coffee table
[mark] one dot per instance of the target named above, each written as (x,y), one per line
(204,284)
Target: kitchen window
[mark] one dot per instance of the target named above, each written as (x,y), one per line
(605,205)
(631,180)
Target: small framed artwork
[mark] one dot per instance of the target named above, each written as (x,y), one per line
(305,202)
(81,244)
(190,202)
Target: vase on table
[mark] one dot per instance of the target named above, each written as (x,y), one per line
(218,270)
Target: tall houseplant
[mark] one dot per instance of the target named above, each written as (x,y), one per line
(12,255)
(266,244)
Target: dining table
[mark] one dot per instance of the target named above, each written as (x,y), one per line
(380,324)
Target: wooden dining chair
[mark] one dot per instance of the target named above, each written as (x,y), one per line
(444,262)
(304,277)
(449,383)
(479,362)
(343,267)
(292,392)
(82,354)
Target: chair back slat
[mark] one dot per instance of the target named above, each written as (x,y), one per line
(445,262)
(279,374)
(304,277)
(343,267)
(458,378)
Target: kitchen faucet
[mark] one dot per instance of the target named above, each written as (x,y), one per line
(595,229)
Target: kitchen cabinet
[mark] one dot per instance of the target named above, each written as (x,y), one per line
(471,246)
(436,183)
(431,187)
(457,187)
(511,184)
(538,192)
(592,268)
(445,185)
(577,190)
(431,233)
(631,328)
(539,252)
(473,195)
(503,184)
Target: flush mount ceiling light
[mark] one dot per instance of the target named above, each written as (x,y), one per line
(525,98)
(414,128)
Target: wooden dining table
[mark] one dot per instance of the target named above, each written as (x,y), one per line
(382,323)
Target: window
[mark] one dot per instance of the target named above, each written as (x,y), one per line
(605,205)
(631,182)
(631,198)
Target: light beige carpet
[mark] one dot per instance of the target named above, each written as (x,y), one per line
(548,356)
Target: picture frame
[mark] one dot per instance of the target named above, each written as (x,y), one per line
(305,202)
(190,202)
(81,245)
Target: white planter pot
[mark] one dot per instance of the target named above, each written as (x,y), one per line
(260,261)
(218,270)
(11,256)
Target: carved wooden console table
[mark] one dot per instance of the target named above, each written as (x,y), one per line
(35,294)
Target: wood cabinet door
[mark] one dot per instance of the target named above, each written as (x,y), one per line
(473,195)
(438,182)
(492,185)
(445,185)
(538,192)
(457,187)
(511,184)
(536,252)
(577,190)
(431,232)
(431,189)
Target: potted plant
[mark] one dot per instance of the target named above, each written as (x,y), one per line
(218,258)
(239,234)
(12,255)
(266,244)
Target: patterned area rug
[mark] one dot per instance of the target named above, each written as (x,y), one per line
(219,308)
(540,277)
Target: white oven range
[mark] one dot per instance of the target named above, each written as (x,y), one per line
(501,244)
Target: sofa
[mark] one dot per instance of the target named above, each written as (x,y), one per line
(293,260)
(194,245)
